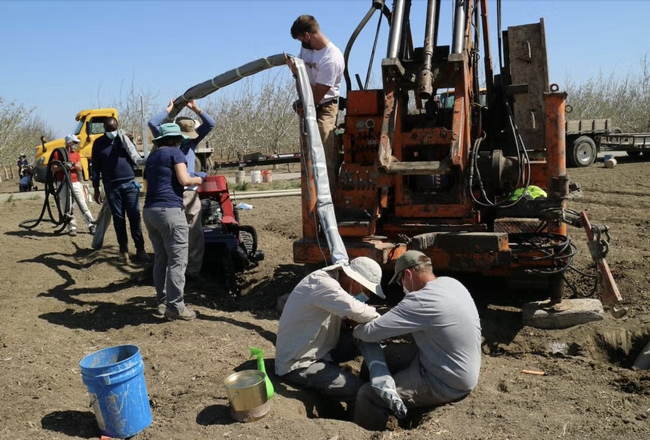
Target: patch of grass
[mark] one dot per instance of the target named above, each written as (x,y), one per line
(277,185)
(10,199)
(242,186)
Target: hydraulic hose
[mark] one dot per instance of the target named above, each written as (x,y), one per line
(63,210)
(376,5)
(212,85)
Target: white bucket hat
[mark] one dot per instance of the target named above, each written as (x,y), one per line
(363,270)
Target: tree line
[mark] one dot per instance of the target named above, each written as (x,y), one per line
(625,98)
(257,115)
(20,131)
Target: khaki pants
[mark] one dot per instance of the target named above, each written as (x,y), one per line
(78,190)
(192,205)
(412,384)
(326,119)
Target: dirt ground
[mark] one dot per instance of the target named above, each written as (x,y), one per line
(60,302)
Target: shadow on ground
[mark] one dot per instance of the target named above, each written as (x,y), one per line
(72,423)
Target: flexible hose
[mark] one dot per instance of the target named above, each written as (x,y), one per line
(64,214)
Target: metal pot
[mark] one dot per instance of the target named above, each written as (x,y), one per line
(246,390)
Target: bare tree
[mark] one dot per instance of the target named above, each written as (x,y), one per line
(256,117)
(624,98)
(131,104)
(20,132)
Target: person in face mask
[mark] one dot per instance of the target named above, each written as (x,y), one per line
(77,196)
(325,65)
(444,363)
(310,342)
(113,162)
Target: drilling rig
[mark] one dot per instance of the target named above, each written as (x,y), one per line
(449,157)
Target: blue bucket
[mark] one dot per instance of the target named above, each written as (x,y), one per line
(114,377)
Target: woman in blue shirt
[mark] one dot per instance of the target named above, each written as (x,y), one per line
(166,175)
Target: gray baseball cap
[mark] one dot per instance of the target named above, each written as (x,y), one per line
(408,260)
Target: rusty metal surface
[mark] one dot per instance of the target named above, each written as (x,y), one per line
(529,66)
(514,225)
(556,152)
(610,296)
(404,178)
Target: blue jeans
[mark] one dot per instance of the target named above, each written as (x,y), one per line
(125,199)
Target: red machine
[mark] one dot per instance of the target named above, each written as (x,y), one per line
(230,246)
(474,177)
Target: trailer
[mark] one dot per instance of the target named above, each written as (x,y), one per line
(634,144)
(583,140)
(257,159)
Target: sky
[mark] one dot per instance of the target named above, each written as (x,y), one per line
(60,57)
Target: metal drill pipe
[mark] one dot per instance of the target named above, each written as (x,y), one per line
(396,29)
(459,26)
(425,80)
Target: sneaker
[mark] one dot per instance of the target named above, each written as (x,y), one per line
(92,229)
(185,315)
(123,257)
(72,232)
(160,311)
(142,256)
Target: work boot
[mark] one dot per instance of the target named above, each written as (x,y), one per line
(185,315)
(123,257)
(142,256)
(160,311)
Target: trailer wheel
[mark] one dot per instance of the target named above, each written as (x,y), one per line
(581,152)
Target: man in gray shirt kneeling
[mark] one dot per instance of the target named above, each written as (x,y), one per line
(441,316)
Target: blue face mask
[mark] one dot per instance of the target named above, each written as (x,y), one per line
(361,297)
(111,134)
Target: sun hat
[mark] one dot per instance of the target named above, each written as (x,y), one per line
(408,260)
(72,138)
(188,126)
(363,270)
(168,130)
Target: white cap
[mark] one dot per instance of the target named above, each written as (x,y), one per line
(363,270)
(72,138)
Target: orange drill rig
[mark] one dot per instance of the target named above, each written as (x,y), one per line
(471,174)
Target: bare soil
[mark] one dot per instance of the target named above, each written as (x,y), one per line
(60,301)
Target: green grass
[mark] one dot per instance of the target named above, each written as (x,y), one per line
(278,185)
(10,199)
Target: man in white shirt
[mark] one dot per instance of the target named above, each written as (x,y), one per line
(308,348)
(325,65)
